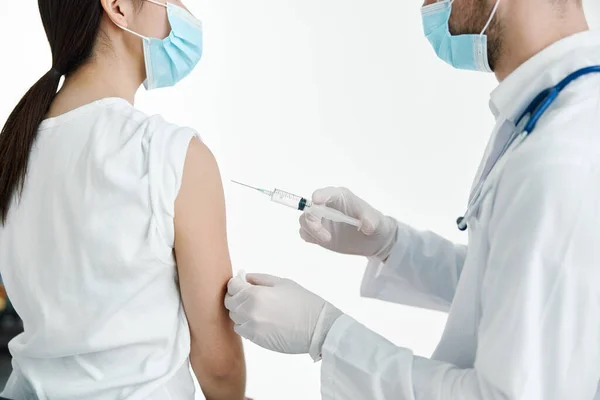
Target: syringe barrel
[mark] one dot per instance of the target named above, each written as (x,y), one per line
(288,199)
(319,210)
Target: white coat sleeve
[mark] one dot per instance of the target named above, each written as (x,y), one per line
(539,331)
(422,271)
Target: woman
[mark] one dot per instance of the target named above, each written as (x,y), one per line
(96,200)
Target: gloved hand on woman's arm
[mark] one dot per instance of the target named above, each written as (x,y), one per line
(279,315)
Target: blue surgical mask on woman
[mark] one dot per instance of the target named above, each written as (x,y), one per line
(170,60)
(469,52)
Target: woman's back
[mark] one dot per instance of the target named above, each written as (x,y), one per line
(87,257)
(97,200)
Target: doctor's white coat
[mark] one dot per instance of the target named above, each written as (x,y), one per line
(524,297)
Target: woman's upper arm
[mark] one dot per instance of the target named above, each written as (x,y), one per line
(203,259)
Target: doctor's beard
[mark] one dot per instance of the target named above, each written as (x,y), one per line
(470,17)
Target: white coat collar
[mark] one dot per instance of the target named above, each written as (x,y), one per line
(543,70)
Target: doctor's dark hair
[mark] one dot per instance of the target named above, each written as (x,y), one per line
(72,27)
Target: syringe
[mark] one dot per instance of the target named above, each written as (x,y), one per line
(302,204)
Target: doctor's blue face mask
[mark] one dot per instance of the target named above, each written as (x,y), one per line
(468,52)
(170,60)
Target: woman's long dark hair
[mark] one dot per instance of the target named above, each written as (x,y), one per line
(72,28)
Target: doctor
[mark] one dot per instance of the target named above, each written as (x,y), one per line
(524,297)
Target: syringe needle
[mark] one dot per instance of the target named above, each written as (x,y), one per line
(264,191)
(243,184)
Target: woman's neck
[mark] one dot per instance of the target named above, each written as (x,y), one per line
(102,77)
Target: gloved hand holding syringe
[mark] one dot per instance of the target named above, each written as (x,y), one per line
(302,204)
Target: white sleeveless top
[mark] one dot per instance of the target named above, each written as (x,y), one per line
(87,260)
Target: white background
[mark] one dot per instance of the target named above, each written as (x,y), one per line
(300,94)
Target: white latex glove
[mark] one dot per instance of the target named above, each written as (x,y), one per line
(279,315)
(375,238)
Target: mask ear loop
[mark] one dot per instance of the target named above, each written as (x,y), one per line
(132,32)
(158,3)
(489,20)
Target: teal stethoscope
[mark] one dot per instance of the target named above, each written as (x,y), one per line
(525,125)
